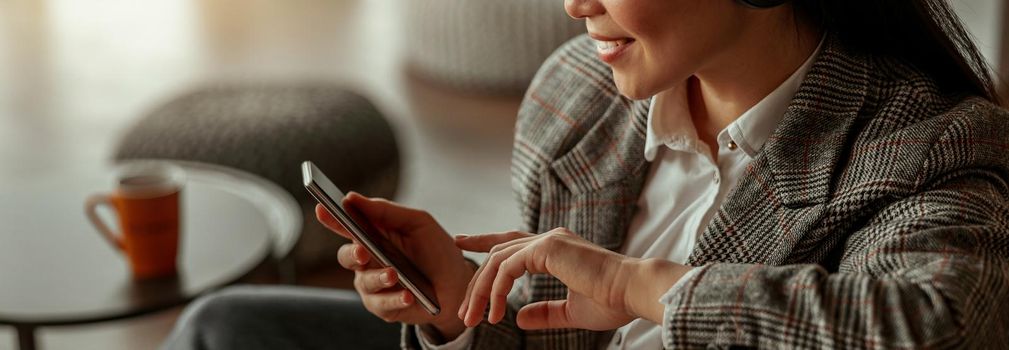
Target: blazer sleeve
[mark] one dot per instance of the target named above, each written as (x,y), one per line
(928,270)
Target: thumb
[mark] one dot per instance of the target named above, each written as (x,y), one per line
(544,315)
(386,214)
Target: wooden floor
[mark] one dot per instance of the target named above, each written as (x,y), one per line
(75,74)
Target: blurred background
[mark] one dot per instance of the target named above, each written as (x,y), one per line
(83,83)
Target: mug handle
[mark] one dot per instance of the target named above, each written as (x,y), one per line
(90,208)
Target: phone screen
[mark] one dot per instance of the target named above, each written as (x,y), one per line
(371,237)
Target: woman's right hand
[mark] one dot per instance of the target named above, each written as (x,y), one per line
(425,243)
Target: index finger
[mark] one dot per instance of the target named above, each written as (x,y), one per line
(330,222)
(484,242)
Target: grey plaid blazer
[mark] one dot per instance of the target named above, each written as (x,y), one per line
(876,216)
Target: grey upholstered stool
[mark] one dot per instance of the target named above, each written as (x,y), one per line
(488,46)
(269,130)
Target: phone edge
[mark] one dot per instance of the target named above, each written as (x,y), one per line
(426,301)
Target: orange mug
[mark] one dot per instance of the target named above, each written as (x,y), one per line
(146,200)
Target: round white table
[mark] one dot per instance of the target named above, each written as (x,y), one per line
(56,270)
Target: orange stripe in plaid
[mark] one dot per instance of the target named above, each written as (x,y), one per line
(553,110)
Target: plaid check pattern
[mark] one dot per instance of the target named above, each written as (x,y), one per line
(876,216)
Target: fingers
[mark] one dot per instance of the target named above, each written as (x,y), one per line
(480,292)
(353,256)
(513,254)
(383,298)
(375,280)
(387,214)
(330,222)
(494,252)
(485,242)
(380,293)
(544,314)
(391,306)
(510,270)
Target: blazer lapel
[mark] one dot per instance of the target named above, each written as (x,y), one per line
(803,153)
(593,188)
(785,188)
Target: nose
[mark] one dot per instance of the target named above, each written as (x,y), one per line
(579,9)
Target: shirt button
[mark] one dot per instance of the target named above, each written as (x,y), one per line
(732,145)
(618,338)
(717,179)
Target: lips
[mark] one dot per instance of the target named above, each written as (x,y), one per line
(610,49)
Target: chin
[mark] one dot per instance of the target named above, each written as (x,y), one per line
(632,89)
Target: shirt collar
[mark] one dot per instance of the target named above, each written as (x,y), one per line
(676,130)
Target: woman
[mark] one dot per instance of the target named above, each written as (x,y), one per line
(734,173)
(869,205)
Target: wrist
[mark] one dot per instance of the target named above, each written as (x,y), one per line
(447,324)
(649,280)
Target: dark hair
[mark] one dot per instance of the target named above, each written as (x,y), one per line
(926,33)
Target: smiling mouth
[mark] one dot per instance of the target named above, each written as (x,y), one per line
(611,44)
(610,50)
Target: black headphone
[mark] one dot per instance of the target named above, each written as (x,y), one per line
(763,4)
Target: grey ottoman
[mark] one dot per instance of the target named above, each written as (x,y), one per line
(268,130)
(488,46)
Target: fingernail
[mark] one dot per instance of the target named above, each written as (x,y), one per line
(461,236)
(358,257)
(386,277)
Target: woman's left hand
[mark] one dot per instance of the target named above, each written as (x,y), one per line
(606,290)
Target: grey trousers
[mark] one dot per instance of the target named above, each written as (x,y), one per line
(280,317)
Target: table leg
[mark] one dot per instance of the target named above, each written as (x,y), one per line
(26,337)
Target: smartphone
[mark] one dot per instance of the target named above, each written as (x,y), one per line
(370,237)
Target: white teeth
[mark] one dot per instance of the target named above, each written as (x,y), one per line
(607,45)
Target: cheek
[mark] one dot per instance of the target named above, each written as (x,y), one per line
(666,34)
(673,43)
(661,24)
